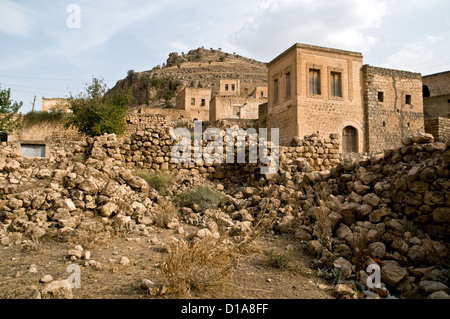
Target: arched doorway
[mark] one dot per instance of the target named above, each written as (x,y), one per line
(426,91)
(350,140)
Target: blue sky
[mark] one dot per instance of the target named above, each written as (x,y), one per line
(40,55)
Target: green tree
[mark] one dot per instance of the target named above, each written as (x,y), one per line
(95,114)
(9,121)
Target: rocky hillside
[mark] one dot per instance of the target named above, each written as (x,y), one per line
(198,68)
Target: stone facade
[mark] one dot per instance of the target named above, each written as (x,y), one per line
(316,90)
(300,106)
(195,101)
(439,127)
(436,93)
(393,106)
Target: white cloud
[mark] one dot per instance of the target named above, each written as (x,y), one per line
(14,19)
(420,56)
(178,46)
(340,23)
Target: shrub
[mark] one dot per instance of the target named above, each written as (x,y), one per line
(160,181)
(277,260)
(95,114)
(166,214)
(204,197)
(9,121)
(40,117)
(168,95)
(202,265)
(222,58)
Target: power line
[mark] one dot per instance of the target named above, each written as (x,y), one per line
(46,79)
(32,87)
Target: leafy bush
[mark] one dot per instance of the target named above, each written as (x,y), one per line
(204,197)
(9,122)
(95,114)
(160,181)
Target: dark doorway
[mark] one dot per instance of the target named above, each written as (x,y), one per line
(426,91)
(350,140)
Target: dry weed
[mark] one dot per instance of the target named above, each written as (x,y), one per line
(166,214)
(201,265)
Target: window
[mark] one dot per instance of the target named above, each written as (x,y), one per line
(384,123)
(288,85)
(409,124)
(3,137)
(314,82)
(203,102)
(336,84)
(262,95)
(192,101)
(408,99)
(226,87)
(380,96)
(233,87)
(275,88)
(31,150)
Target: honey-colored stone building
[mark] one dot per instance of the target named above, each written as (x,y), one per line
(316,90)
(195,101)
(55,104)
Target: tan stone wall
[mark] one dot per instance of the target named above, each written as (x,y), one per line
(282,114)
(234,107)
(438,84)
(260,92)
(438,106)
(390,120)
(439,127)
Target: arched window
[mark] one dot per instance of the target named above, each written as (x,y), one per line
(350,140)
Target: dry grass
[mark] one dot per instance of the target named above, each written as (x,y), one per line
(166,214)
(201,265)
(360,251)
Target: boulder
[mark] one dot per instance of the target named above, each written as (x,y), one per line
(392,273)
(430,287)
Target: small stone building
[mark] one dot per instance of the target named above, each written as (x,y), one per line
(55,104)
(235,101)
(316,90)
(195,101)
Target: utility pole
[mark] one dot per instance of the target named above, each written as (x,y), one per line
(34,102)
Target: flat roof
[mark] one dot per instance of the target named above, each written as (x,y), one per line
(435,74)
(316,48)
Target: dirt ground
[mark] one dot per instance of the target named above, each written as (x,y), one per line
(255,277)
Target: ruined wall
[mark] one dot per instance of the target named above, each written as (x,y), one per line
(436,100)
(390,115)
(55,136)
(438,127)
(234,107)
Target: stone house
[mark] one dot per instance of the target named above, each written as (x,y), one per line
(55,104)
(317,90)
(195,102)
(235,102)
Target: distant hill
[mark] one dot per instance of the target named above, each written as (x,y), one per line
(198,68)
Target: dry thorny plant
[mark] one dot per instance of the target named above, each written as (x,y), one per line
(209,263)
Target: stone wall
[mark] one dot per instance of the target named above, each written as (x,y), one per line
(389,116)
(439,127)
(195,101)
(55,136)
